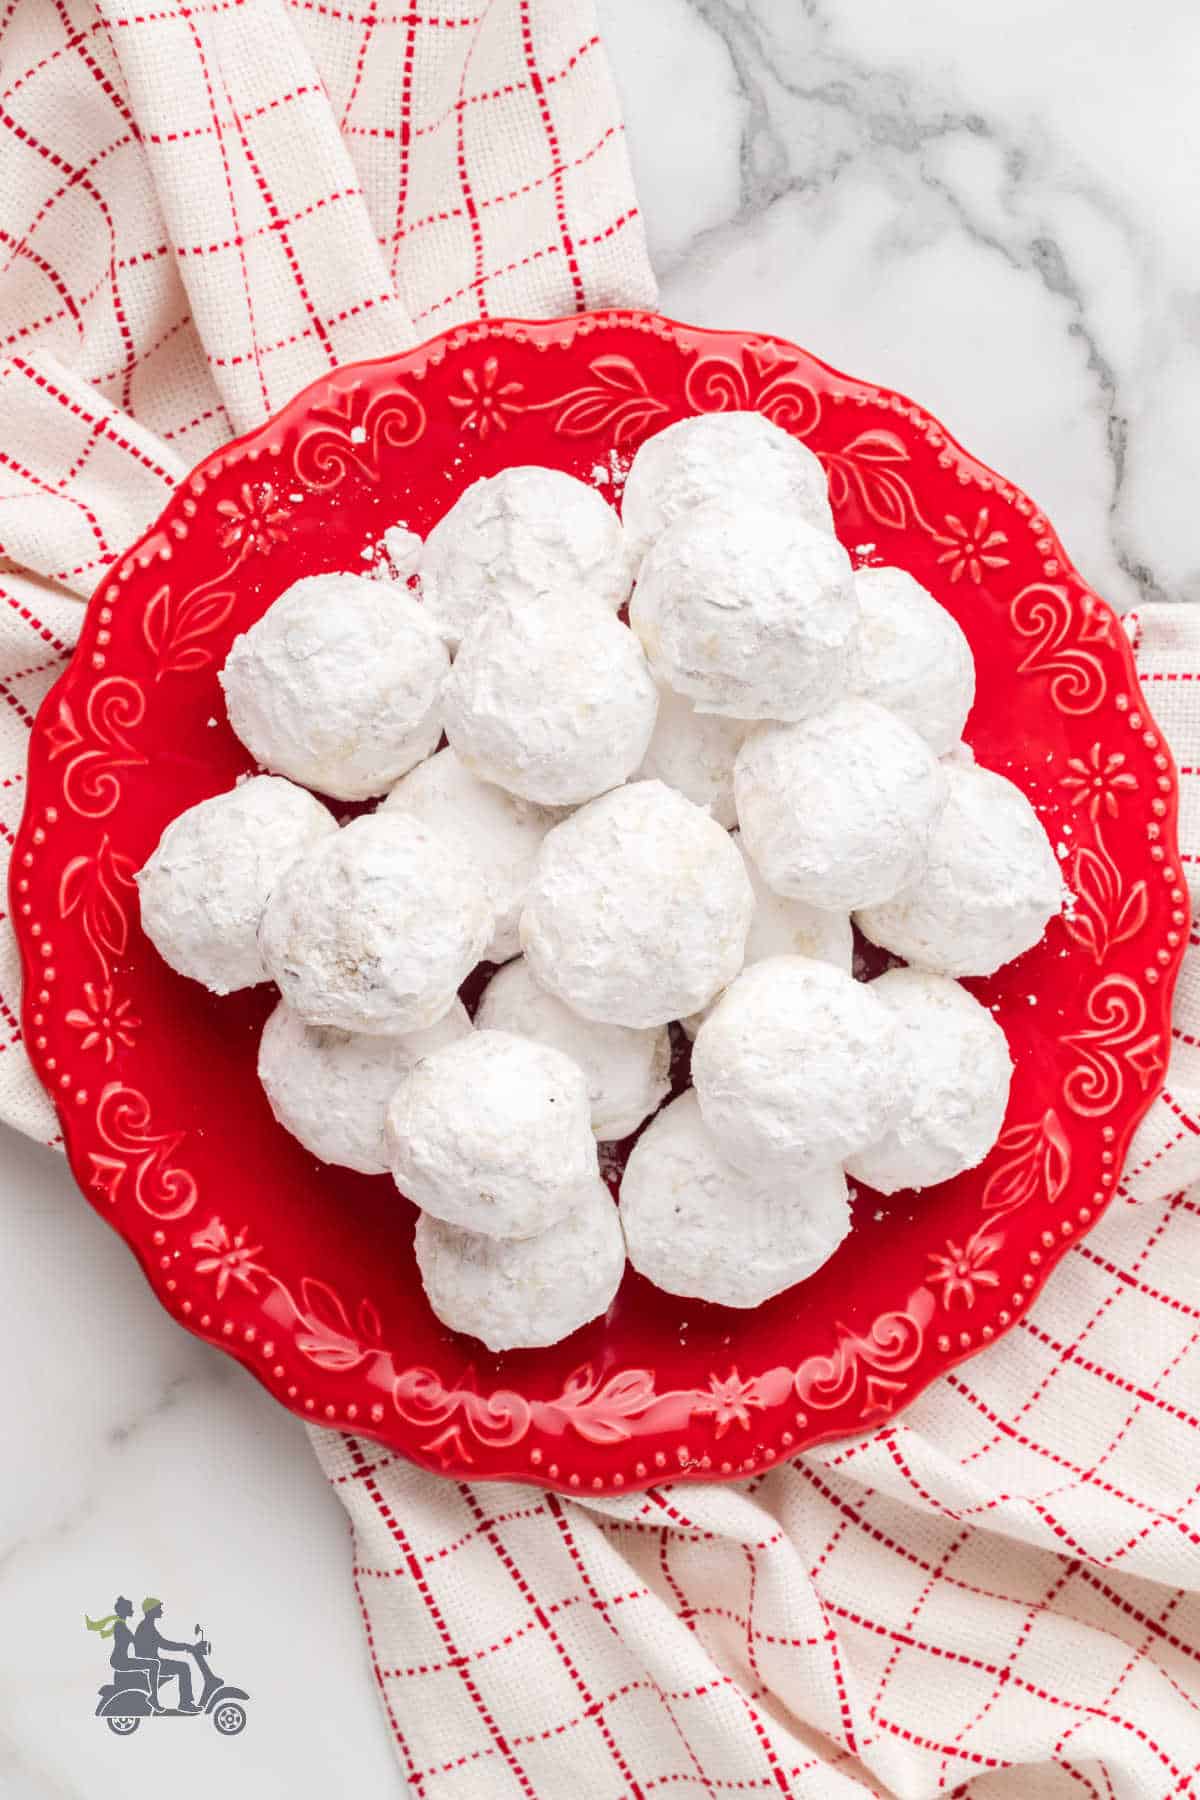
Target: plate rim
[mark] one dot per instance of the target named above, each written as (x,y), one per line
(416,360)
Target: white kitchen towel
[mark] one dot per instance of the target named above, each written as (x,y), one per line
(205,204)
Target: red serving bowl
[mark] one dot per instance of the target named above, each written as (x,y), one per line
(304,1272)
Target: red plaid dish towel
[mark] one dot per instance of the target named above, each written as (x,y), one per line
(204,206)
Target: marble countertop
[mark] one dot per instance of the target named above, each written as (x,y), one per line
(991,209)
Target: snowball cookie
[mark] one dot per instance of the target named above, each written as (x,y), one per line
(796,1066)
(518,535)
(989,886)
(550,698)
(782,927)
(694,752)
(739,456)
(523,1293)
(913,657)
(955,1071)
(839,811)
(695,1225)
(376,927)
(748,612)
(493,1134)
(204,889)
(337,685)
(628,1072)
(331,1089)
(638,909)
(501,833)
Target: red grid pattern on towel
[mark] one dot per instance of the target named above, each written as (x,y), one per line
(997,1596)
(206,203)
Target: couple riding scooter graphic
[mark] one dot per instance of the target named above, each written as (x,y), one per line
(140,1669)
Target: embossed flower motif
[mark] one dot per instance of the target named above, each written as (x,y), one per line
(230,1256)
(971,548)
(255,524)
(485,403)
(960,1269)
(104,1020)
(1096,780)
(730,1401)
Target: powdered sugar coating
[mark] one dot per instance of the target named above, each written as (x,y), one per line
(955,1071)
(628,1072)
(499,832)
(523,1293)
(989,886)
(493,1134)
(205,888)
(331,1089)
(696,1225)
(516,536)
(913,657)
(638,909)
(402,549)
(796,1066)
(749,612)
(739,456)
(783,927)
(551,698)
(694,752)
(375,929)
(839,810)
(338,685)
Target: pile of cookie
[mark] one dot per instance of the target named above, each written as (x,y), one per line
(650,827)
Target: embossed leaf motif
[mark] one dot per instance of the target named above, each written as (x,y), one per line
(878,446)
(328,1338)
(175,631)
(600,1412)
(1104,913)
(864,462)
(617,401)
(1036,1163)
(97,887)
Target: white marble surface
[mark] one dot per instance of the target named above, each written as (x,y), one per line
(992,208)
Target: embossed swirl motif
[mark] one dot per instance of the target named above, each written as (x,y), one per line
(97,745)
(1114,1047)
(137,1157)
(763,378)
(1059,626)
(352,429)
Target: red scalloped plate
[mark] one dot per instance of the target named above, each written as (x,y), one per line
(305,1273)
